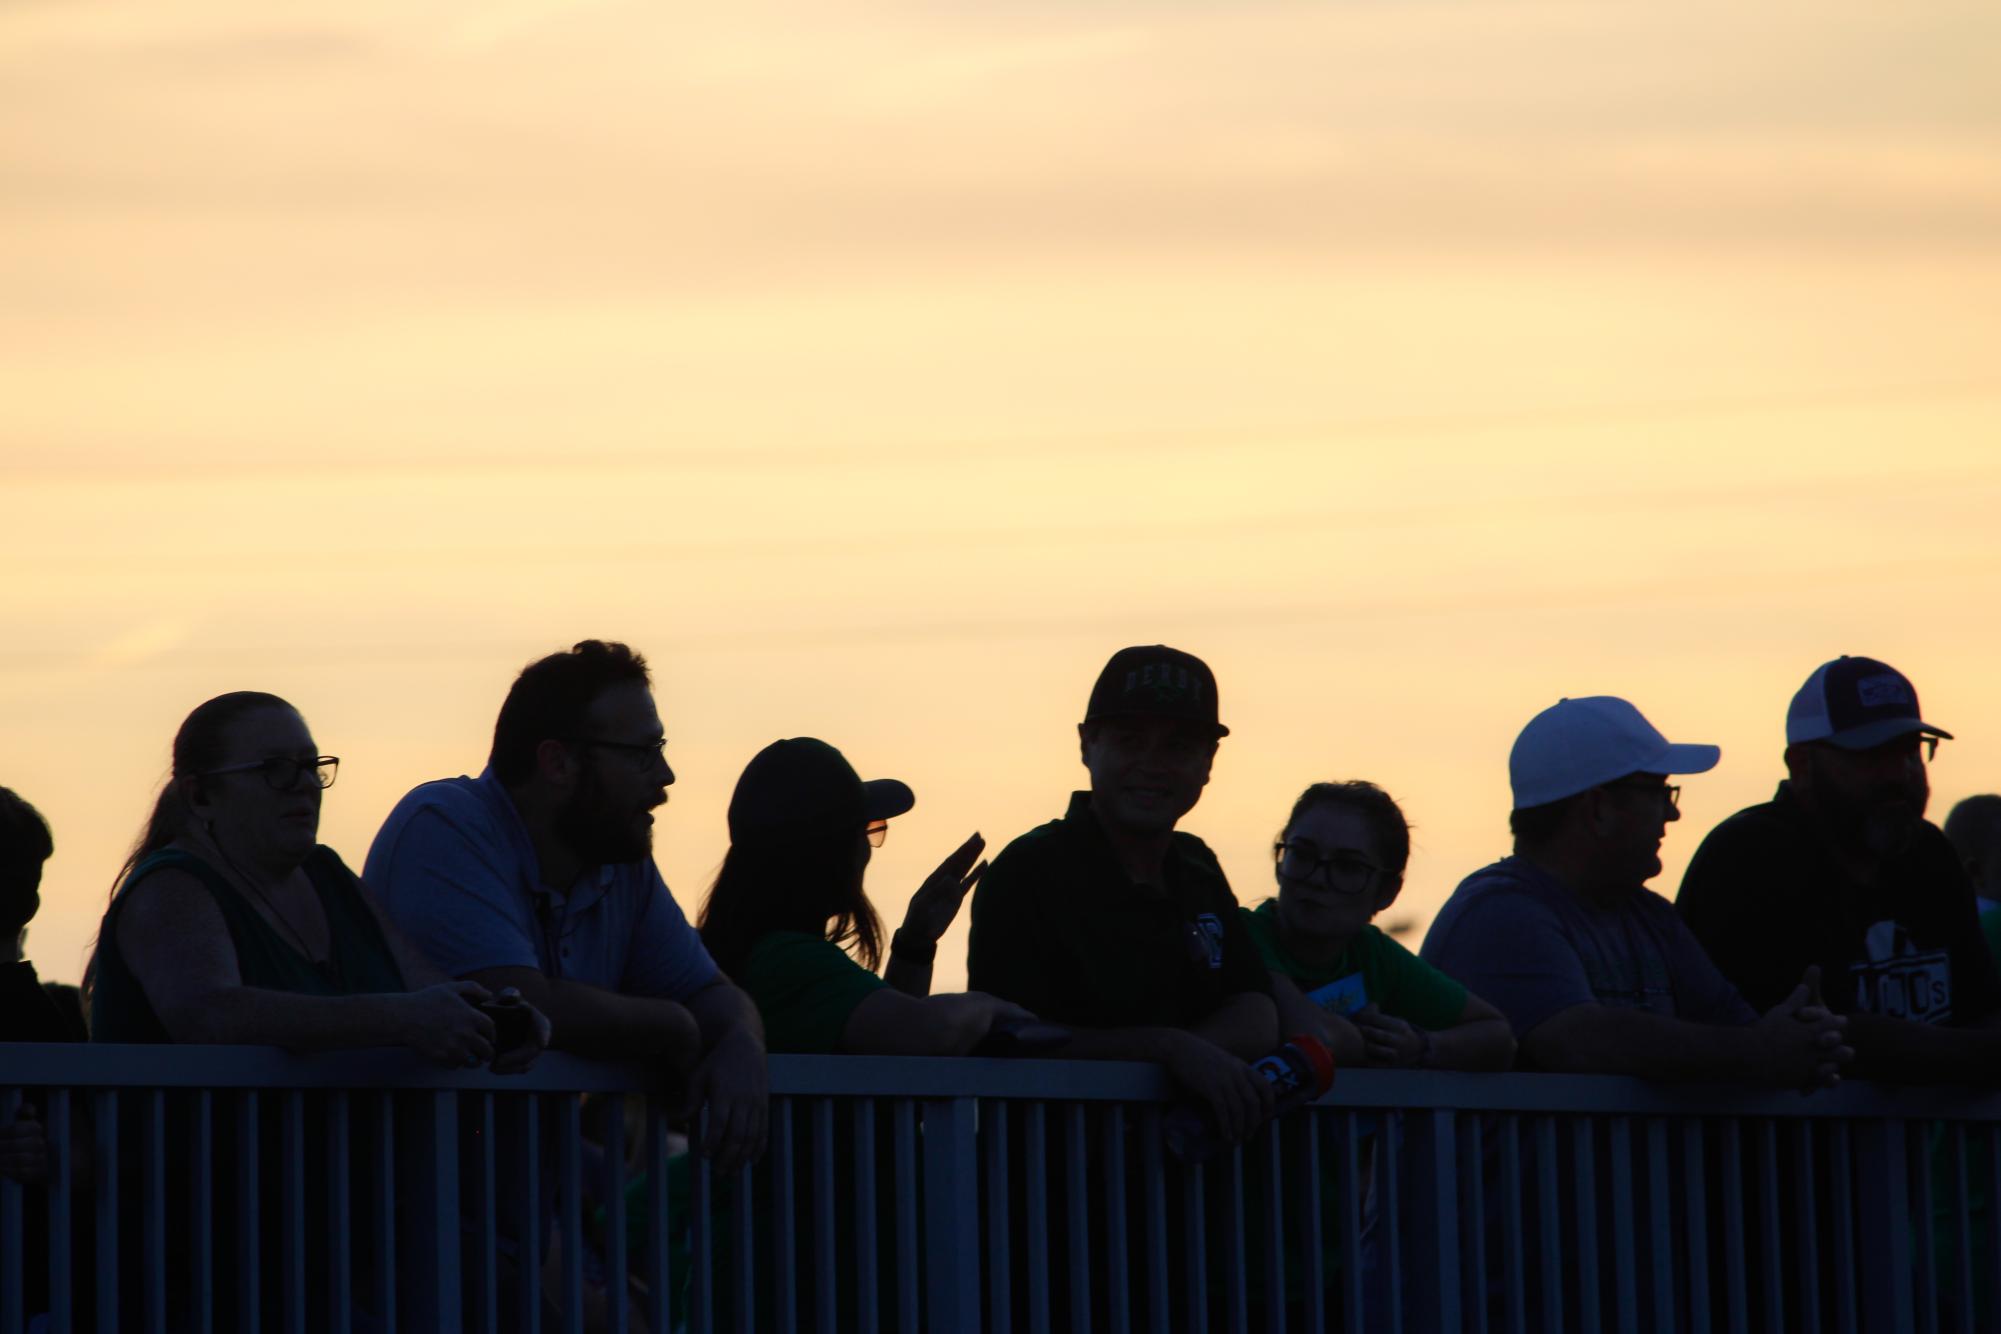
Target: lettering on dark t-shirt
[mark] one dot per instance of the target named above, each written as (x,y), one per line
(1896,978)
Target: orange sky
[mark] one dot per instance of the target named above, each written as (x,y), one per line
(879,369)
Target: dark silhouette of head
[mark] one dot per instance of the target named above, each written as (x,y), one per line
(550,699)
(1974,826)
(200,745)
(25,843)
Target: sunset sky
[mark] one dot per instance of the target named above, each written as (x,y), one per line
(878,369)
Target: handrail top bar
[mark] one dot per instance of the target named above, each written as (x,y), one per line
(106,1065)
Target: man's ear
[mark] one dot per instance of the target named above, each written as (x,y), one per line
(1084,732)
(555,763)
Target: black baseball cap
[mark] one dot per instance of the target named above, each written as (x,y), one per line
(1156,681)
(803,783)
(1856,703)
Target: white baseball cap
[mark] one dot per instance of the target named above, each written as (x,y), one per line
(1576,744)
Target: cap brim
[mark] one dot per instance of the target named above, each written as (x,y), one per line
(886,798)
(1888,729)
(1686,759)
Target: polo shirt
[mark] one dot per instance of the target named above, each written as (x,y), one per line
(1767,898)
(454,868)
(1519,938)
(1373,969)
(1060,929)
(806,987)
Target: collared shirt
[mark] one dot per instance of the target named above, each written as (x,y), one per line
(454,867)
(1060,929)
(1766,896)
(1520,939)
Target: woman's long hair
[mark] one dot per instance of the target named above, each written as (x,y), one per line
(807,881)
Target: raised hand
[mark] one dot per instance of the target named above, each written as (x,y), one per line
(937,900)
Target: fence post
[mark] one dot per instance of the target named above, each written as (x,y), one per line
(429,1158)
(951,1214)
(1883,1226)
(1433,1214)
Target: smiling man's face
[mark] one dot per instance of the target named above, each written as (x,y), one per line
(1146,772)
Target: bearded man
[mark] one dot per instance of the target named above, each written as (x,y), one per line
(539,875)
(1841,870)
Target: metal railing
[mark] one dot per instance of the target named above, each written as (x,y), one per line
(212,1188)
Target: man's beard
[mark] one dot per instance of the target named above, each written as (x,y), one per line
(598,835)
(1879,821)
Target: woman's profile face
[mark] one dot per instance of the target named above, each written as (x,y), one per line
(1332,878)
(269,814)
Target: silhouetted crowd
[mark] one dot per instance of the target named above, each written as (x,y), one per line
(1831,931)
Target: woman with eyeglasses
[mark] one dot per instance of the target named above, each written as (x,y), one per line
(232,923)
(788,906)
(1340,862)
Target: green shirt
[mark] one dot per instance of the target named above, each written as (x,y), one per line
(805,987)
(1372,968)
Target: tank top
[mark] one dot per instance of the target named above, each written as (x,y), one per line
(358,959)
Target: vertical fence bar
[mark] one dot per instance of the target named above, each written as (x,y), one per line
(1624,1208)
(1118,1261)
(1695,1197)
(826,1281)
(993,1148)
(1513,1227)
(570,1194)
(867,1305)
(1660,1226)
(1772,1282)
(13,1231)
(1806,1225)
(104,1174)
(1841,1209)
(487,1317)
(153,1206)
(292,1199)
(1473,1152)
(951,1215)
(1885,1227)
(1035,1149)
(1736,1282)
(743,1247)
(440,1143)
(1271,1237)
(61,1183)
(1235,1263)
(1354,1280)
(1434,1144)
(1389,1209)
(785,1232)
(1992,1138)
(1550,1224)
(617,1290)
(1584,1193)
(340,1215)
(1153,1164)
(659,1266)
(701,1233)
(1076,1216)
(907,1206)
(533,1227)
(201,1218)
(1195,1249)
(385,1210)
(249,1288)
(1962,1229)
(1312,1249)
(1922,1214)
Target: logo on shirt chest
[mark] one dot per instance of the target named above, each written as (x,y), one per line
(1898,979)
(1205,941)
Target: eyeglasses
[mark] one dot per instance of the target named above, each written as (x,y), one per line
(878,832)
(1343,869)
(1667,793)
(282,772)
(644,755)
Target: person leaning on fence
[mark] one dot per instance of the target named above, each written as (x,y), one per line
(1595,972)
(1112,923)
(788,906)
(539,875)
(1840,871)
(1339,862)
(233,923)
